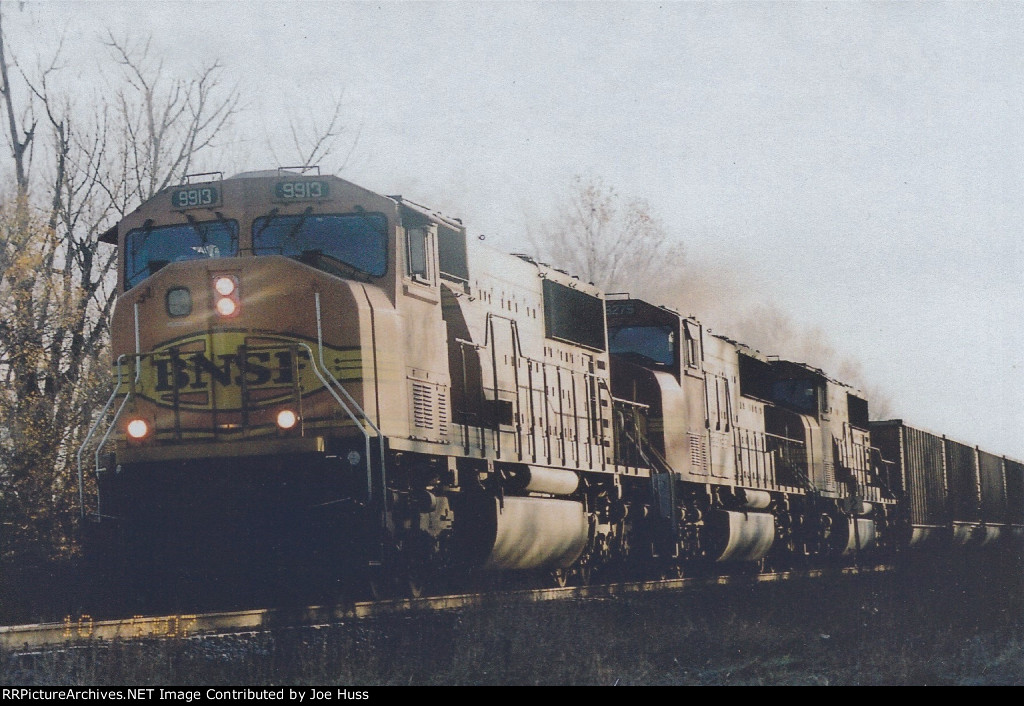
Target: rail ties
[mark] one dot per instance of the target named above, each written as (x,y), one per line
(20,639)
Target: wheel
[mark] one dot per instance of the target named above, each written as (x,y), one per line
(559,578)
(415,587)
(672,571)
(376,585)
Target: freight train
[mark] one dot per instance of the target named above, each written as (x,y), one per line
(315,382)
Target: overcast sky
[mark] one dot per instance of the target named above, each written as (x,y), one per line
(857,164)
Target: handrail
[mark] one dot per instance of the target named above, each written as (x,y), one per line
(599,384)
(801,475)
(882,484)
(326,380)
(351,400)
(88,437)
(117,415)
(640,441)
(359,418)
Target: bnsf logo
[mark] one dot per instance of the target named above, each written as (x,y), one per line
(219,370)
(197,372)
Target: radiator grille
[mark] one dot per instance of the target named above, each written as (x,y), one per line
(698,452)
(830,475)
(442,412)
(422,405)
(429,403)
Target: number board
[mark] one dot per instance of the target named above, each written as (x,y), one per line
(619,308)
(301,190)
(195,197)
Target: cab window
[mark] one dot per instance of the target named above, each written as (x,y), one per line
(150,248)
(342,245)
(646,345)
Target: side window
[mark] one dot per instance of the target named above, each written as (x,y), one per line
(419,252)
(858,411)
(756,379)
(451,254)
(692,350)
(573,316)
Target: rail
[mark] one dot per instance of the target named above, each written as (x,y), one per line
(628,418)
(663,486)
(92,432)
(85,630)
(875,472)
(754,466)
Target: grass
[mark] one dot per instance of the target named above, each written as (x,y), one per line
(900,628)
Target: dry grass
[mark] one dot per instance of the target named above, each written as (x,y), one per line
(890,629)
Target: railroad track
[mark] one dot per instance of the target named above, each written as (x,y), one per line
(83,629)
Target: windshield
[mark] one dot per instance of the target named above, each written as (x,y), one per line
(652,344)
(357,241)
(150,248)
(801,395)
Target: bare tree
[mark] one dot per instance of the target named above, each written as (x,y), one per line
(166,122)
(77,169)
(613,242)
(20,138)
(314,142)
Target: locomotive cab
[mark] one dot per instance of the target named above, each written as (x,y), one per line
(251,297)
(657,360)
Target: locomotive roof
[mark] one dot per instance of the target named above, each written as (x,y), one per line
(782,365)
(408,207)
(428,213)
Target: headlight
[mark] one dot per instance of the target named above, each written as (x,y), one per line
(286,419)
(137,428)
(226,306)
(224,285)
